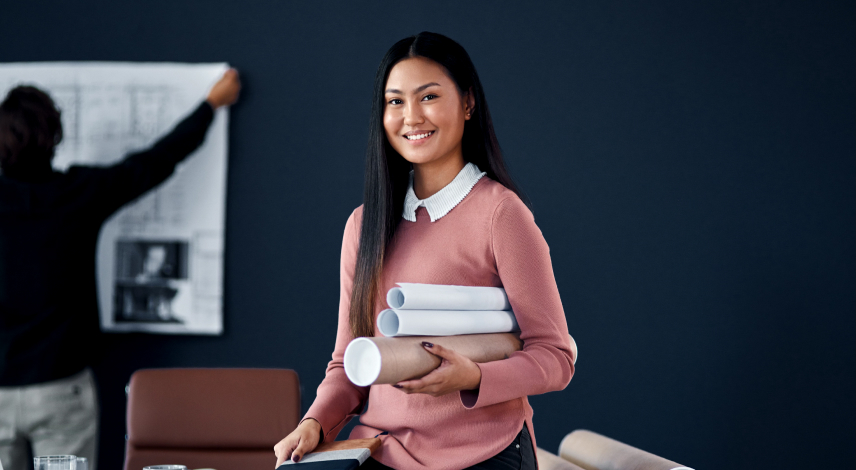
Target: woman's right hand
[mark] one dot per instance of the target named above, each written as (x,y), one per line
(302,440)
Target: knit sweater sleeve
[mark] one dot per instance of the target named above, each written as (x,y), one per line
(523,262)
(337,399)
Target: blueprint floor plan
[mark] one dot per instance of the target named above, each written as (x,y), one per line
(160,259)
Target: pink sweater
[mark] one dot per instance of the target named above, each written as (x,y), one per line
(489,239)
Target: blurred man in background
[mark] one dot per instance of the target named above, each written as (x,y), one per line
(49,225)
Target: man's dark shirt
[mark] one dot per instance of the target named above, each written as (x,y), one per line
(48,234)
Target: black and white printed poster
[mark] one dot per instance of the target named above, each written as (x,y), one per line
(160,258)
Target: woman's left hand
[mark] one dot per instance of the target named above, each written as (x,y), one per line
(455,373)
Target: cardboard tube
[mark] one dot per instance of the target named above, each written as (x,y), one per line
(372,361)
(592,451)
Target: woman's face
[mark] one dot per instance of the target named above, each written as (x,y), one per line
(424,114)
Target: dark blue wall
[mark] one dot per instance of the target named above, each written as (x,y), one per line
(691,165)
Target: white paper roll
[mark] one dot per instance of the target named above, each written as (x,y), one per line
(362,361)
(409,296)
(393,322)
(591,450)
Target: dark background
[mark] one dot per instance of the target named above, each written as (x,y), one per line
(691,165)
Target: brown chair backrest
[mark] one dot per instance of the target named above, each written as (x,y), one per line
(592,451)
(227,419)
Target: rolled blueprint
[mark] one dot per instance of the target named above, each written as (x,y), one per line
(591,450)
(393,322)
(371,361)
(438,297)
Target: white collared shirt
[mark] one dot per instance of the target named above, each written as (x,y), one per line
(444,200)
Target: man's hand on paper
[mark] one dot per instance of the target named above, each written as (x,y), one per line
(454,374)
(302,440)
(225,92)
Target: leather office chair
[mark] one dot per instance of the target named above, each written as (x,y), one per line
(228,419)
(585,450)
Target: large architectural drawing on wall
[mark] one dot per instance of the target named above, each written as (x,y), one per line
(160,258)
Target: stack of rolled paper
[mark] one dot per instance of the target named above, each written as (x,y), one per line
(476,322)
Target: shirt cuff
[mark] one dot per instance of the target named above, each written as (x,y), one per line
(205,108)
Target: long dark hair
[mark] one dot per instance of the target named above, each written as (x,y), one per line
(387,172)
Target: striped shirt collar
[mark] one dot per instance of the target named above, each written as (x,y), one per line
(444,200)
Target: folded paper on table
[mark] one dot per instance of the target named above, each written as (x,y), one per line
(372,361)
(339,455)
(392,322)
(409,296)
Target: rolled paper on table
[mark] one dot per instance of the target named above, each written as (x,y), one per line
(373,361)
(392,322)
(591,450)
(409,296)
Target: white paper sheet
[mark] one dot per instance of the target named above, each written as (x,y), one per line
(112,108)
(409,296)
(393,322)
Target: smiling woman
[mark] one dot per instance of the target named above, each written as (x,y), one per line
(440,208)
(424,122)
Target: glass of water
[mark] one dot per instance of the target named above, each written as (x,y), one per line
(55,462)
(82,463)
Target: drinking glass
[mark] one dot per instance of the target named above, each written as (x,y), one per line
(55,462)
(82,463)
